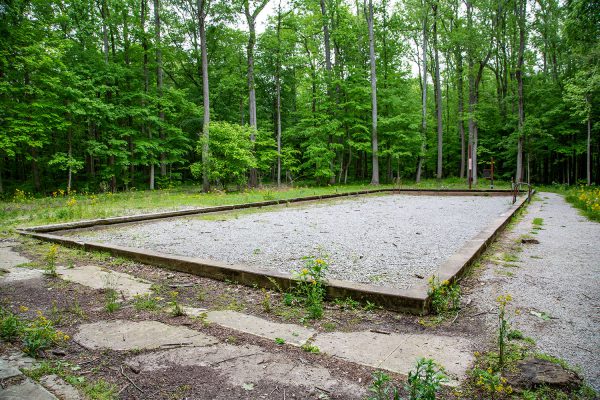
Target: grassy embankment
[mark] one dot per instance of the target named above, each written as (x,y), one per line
(23,209)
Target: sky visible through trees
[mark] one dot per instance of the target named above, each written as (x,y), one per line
(107,95)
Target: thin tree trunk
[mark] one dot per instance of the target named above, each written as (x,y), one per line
(424,106)
(374,145)
(461,108)
(278,92)
(35,169)
(111,158)
(159,81)
(202,11)
(251,19)
(438,97)
(519,75)
(144,10)
(589,150)
(70,155)
(328,68)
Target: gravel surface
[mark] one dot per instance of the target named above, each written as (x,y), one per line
(557,279)
(383,240)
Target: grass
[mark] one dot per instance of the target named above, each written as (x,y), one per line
(23,209)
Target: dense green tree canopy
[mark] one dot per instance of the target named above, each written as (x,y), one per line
(96,94)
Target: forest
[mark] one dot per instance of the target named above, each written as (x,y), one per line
(111,95)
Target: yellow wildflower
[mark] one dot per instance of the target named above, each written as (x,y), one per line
(23,308)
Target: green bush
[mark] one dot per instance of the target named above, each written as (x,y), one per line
(231,154)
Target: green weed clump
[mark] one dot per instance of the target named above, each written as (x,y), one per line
(423,383)
(311,285)
(50,258)
(40,334)
(111,296)
(445,296)
(503,329)
(425,380)
(176,308)
(35,336)
(10,326)
(146,302)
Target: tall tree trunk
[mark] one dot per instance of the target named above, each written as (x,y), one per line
(35,169)
(328,68)
(438,97)
(589,150)
(424,102)
(278,94)
(159,81)
(522,5)
(111,158)
(251,19)
(375,157)
(143,13)
(461,108)
(202,12)
(70,155)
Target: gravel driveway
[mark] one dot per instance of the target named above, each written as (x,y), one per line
(383,240)
(559,280)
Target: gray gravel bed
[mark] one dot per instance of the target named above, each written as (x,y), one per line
(558,277)
(382,240)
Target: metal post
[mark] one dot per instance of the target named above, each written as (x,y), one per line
(470,169)
(514,189)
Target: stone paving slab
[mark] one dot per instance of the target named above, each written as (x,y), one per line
(129,335)
(247,364)
(9,259)
(26,390)
(7,370)
(292,334)
(191,311)
(100,278)
(398,352)
(60,388)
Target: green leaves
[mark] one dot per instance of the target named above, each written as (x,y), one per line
(231,154)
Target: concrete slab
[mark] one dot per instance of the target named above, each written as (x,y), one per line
(365,348)
(60,388)
(129,335)
(7,370)
(453,353)
(20,360)
(247,364)
(191,311)
(100,278)
(292,334)
(26,390)
(398,352)
(9,260)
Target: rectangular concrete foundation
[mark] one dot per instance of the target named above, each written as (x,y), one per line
(414,299)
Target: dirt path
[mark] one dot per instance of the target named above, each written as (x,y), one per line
(554,284)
